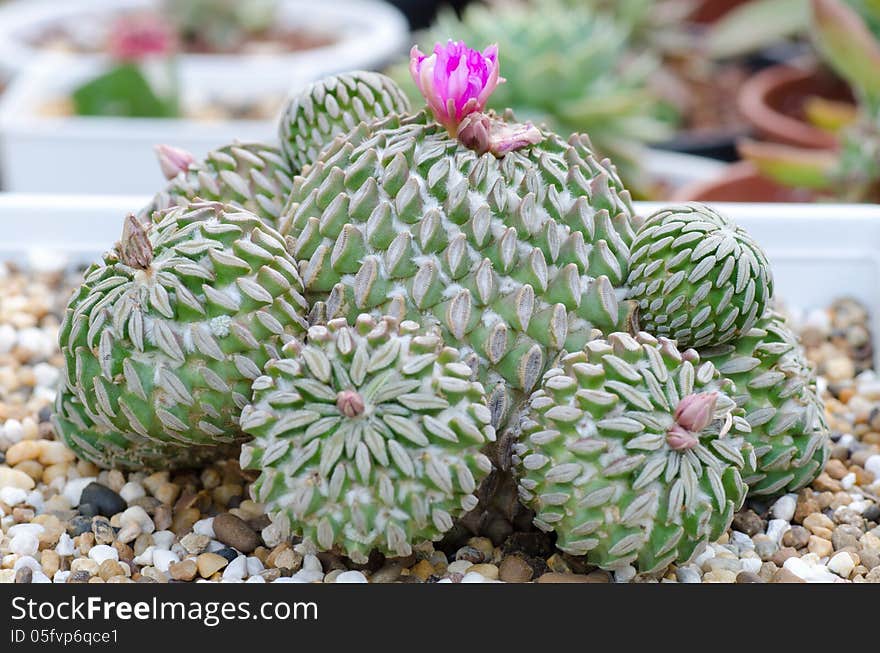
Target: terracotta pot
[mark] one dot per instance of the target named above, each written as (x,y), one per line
(740,182)
(773,101)
(709,11)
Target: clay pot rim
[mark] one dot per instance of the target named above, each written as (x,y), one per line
(733,174)
(754,107)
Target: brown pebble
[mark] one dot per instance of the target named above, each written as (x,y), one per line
(825,483)
(514,569)
(423,570)
(782,555)
(806,505)
(209,563)
(785,576)
(110,568)
(24,576)
(183,520)
(50,562)
(592,577)
(184,570)
(744,577)
(234,532)
(797,537)
(836,469)
(162,517)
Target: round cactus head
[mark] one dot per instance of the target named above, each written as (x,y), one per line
(697,277)
(369,436)
(166,334)
(333,106)
(632,452)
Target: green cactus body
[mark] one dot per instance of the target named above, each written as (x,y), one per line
(165,336)
(514,258)
(252,176)
(334,106)
(697,277)
(776,388)
(596,464)
(369,436)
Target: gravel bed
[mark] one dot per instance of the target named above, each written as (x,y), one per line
(63,520)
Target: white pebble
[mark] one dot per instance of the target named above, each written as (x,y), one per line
(24,544)
(272,535)
(358,577)
(307,576)
(7,338)
(36,341)
(46,375)
(60,577)
(163,540)
(65,545)
(624,574)
(27,561)
(145,559)
(872,464)
(73,489)
(38,577)
(34,529)
(204,527)
(312,563)
(459,567)
(12,496)
(751,564)
(703,556)
(254,566)
(256,579)
(13,430)
(848,481)
(860,505)
(812,573)
(101,552)
(162,558)
(842,564)
(784,507)
(132,491)
(470,577)
(236,570)
(35,500)
(139,516)
(214,546)
(776,528)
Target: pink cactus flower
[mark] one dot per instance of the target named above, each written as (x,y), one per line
(694,412)
(134,38)
(173,160)
(455,80)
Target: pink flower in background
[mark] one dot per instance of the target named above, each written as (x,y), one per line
(455,80)
(133,38)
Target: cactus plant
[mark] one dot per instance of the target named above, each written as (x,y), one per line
(252,176)
(333,106)
(368,436)
(569,66)
(166,334)
(632,453)
(697,277)
(777,389)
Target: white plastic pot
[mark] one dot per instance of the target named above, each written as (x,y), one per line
(819,252)
(97,155)
(368,33)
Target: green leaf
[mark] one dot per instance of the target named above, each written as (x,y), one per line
(755,25)
(122,91)
(848,45)
(791,166)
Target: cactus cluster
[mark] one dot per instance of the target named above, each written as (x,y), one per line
(369,302)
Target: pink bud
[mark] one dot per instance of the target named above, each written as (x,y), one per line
(509,137)
(694,412)
(173,160)
(680,439)
(474,132)
(350,403)
(455,80)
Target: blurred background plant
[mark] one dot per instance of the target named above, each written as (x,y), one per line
(846,34)
(219,25)
(567,65)
(141,80)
